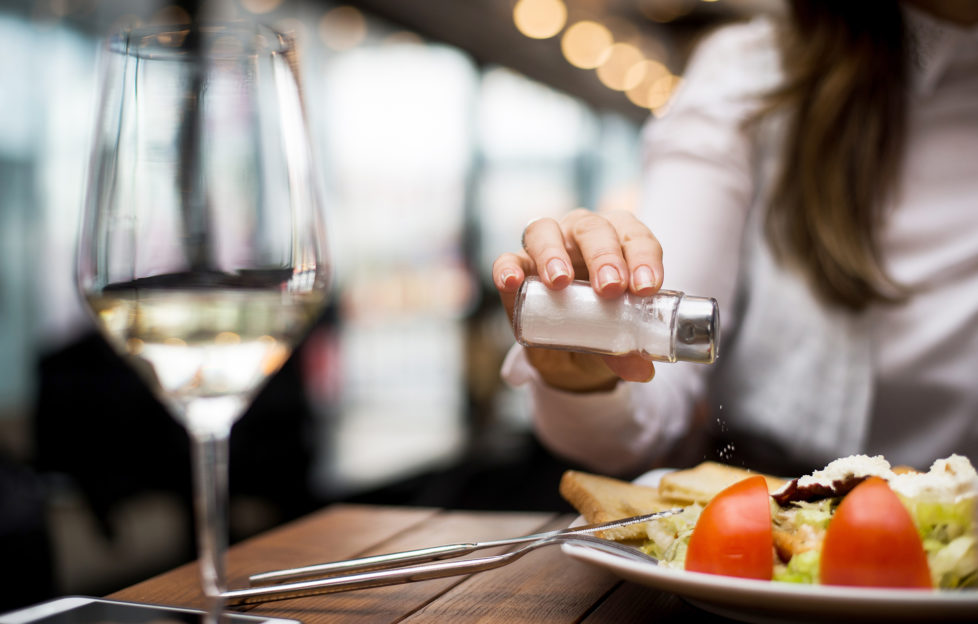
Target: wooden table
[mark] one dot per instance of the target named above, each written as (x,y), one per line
(542,587)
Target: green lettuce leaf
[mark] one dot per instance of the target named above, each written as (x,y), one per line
(669,537)
(948,532)
(802,568)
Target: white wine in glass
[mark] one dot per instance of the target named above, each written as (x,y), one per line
(202,251)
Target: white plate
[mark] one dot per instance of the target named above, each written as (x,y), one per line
(767,602)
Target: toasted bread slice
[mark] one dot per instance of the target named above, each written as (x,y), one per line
(704,481)
(601,499)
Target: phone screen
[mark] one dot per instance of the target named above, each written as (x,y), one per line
(108,612)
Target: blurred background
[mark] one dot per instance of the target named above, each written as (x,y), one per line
(442,127)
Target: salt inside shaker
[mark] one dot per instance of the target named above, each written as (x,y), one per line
(668,326)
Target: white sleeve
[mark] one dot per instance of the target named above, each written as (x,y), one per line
(698,187)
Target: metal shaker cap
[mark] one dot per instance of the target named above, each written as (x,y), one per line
(697,329)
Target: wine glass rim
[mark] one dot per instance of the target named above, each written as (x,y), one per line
(169,41)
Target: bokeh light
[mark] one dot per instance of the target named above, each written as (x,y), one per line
(586,44)
(540,19)
(642,77)
(661,92)
(614,73)
(342,28)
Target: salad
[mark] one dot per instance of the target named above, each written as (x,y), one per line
(856,522)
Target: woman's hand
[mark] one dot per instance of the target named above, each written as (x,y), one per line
(615,252)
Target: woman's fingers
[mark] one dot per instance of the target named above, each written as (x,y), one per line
(630,367)
(617,250)
(642,252)
(544,254)
(573,372)
(596,239)
(544,244)
(508,272)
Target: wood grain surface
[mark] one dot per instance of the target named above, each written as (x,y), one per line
(544,586)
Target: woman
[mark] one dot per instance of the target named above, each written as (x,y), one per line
(820,179)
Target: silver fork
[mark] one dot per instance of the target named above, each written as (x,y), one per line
(422,571)
(427,563)
(432,553)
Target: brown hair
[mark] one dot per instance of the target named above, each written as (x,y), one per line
(844,95)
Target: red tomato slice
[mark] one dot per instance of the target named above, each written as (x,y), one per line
(733,535)
(872,542)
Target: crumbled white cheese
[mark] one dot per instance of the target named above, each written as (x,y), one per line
(948,480)
(846,467)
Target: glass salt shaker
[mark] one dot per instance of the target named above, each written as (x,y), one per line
(668,326)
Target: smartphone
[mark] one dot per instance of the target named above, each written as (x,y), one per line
(86,610)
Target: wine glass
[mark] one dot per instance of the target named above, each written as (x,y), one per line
(202,249)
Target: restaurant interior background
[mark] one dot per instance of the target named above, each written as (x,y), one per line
(442,127)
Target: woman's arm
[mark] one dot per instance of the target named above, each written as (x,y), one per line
(699,186)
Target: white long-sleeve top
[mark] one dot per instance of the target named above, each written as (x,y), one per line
(803,380)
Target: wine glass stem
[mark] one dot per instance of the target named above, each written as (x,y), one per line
(209,447)
(210,501)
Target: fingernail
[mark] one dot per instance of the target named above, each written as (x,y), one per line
(643,278)
(556,269)
(509,278)
(608,275)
